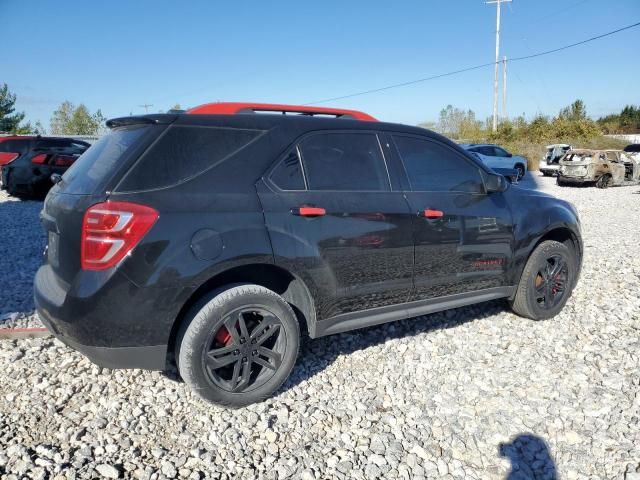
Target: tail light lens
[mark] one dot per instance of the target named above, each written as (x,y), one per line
(110,230)
(39,159)
(7,157)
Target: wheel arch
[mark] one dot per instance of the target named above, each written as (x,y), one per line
(289,286)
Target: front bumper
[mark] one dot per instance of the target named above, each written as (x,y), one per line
(98,332)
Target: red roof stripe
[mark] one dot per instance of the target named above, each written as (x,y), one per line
(232,108)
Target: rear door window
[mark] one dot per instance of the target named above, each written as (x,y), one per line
(101,160)
(341,161)
(433,167)
(288,173)
(184,152)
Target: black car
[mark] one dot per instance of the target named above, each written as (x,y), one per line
(27,162)
(223,234)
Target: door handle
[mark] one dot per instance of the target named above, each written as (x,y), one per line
(431,214)
(307,211)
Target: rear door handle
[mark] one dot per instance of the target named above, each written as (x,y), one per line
(429,213)
(307,211)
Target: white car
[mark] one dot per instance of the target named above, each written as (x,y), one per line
(494,156)
(549,165)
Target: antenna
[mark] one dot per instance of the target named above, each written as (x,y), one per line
(497,65)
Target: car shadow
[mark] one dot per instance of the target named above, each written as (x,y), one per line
(316,355)
(530,457)
(22,243)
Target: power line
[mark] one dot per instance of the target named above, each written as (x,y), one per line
(469,69)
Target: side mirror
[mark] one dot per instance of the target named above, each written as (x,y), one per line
(509,155)
(495,183)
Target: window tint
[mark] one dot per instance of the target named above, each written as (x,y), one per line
(437,168)
(183,153)
(288,174)
(344,161)
(500,152)
(14,146)
(488,151)
(100,160)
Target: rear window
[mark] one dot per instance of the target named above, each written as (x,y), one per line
(184,152)
(100,161)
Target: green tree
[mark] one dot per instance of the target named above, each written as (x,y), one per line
(574,112)
(9,119)
(71,120)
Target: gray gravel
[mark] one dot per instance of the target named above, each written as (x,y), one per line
(471,393)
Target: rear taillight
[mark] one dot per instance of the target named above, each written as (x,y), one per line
(39,159)
(7,157)
(110,230)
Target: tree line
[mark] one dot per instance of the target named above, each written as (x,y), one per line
(571,122)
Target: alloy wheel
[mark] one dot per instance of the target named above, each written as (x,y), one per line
(551,281)
(245,349)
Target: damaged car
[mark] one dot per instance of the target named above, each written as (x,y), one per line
(550,163)
(602,168)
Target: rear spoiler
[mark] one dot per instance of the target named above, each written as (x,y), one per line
(160,119)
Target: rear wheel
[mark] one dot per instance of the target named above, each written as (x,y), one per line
(240,345)
(547,281)
(604,181)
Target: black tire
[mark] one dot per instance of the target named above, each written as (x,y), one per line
(546,282)
(560,182)
(546,174)
(521,171)
(238,365)
(603,181)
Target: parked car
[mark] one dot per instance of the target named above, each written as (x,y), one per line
(497,157)
(602,168)
(219,236)
(27,162)
(512,175)
(550,163)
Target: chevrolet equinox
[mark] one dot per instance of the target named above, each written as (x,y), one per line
(214,238)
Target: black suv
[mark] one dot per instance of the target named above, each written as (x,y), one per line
(27,162)
(222,234)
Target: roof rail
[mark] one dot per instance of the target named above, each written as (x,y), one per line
(233,108)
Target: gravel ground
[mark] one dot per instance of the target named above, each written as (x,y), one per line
(471,393)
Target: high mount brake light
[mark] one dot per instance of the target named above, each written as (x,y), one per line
(7,157)
(110,230)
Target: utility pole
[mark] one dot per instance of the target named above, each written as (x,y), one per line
(497,65)
(505,116)
(147,105)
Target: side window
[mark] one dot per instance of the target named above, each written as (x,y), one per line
(500,152)
(344,161)
(184,152)
(288,174)
(433,167)
(488,151)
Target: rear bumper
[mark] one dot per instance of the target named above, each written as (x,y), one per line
(147,357)
(105,327)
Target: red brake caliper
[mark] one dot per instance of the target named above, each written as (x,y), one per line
(223,336)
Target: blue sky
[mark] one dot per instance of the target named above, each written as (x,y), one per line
(116,55)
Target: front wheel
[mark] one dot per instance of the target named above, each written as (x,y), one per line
(521,171)
(240,345)
(547,281)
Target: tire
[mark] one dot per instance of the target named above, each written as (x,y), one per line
(247,367)
(547,281)
(521,171)
(546,174)
(603,181)
(559,182)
